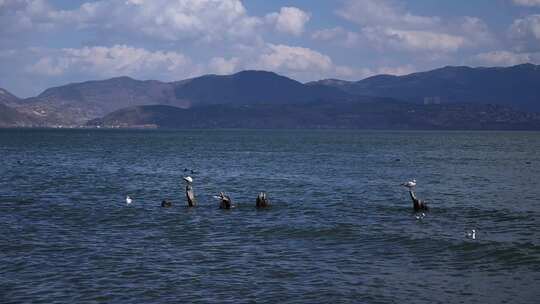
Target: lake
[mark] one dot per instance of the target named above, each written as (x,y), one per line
(341,228)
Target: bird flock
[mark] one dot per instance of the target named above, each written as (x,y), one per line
(225,201)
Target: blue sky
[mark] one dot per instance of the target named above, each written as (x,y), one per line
(46,43)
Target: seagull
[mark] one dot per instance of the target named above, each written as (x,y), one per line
(471,235)
(409,184)
(129,200)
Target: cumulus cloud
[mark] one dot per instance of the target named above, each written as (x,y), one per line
(414,40)
(279,57)
(300,63)
(164,20)
(385,24)
(112,61)
(103,62)
(525,32)
(475,31)
(527,2)
(306,64)
(171,20)
(48,66)
(223,66)
(290,20)
(528,26)
(25,15)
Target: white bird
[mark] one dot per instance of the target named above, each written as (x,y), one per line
(420,216)
(129,200)
(472,234)
(410,184)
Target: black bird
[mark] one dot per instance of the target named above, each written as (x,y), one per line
(225,201)
(166,203)
(262,201)
(418,205)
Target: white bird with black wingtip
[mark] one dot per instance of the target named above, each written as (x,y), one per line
(190,194)
(410,184)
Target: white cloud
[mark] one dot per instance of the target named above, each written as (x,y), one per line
(290,20)
(385,24)
(48,66)
(171,20)
(527,2)
(224,66)
(303,64)
(505,58)
(525,32)
(528,26)
(284,57)
(383,13)
(113,61)
(119,60)
(328,34)
(475,31)
(25,15)
(425,40)
(414,40)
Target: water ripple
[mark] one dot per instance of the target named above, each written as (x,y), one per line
(340,230)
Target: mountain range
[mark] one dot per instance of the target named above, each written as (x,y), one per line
(517,86)
(446,98)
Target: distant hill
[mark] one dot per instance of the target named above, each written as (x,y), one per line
(10,118)
(156,115)
(250,87)
(8,99)
(377,114)
(77,103)
(517,86)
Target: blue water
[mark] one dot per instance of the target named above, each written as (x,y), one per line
(341,229)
